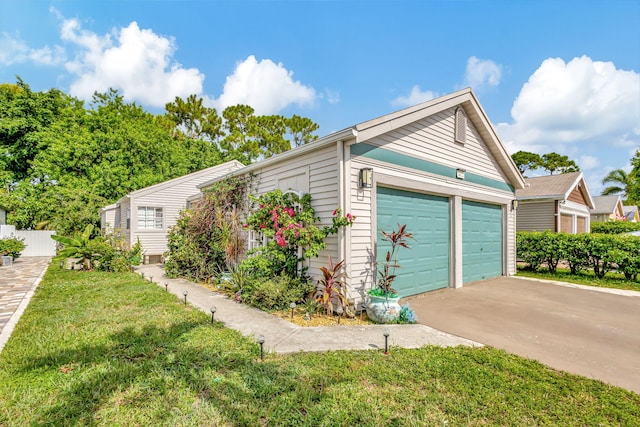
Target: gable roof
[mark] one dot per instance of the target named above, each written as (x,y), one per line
(371,128)
(222,169)
(555,187)
(607,204)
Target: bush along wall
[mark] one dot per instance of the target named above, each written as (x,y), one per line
(601,253)
(614,227)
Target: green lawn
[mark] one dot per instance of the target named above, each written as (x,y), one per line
(111,349)
(585,277)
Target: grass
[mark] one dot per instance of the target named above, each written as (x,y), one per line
(585,277)
(112,349)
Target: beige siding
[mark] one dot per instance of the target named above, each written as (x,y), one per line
(536,216)
(172,197)
(511,241)
(316,173)
(431,139)
(125,204)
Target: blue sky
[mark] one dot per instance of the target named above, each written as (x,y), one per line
(559,76)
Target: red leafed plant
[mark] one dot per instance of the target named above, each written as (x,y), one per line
(332,286)
(398,239)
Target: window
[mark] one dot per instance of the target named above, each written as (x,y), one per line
(255,240)
(460,126)
(149,218)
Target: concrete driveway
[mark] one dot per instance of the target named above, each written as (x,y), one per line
(591,333)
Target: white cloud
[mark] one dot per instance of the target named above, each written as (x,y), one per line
(415,97)
(586,162)
(266,86)
(13,50)
(136,62)
(482,72)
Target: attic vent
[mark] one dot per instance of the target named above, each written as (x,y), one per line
(461,126)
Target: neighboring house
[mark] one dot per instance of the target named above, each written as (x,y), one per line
(556,203)
(438,167)
(631,213)
(607,208)
(147,214)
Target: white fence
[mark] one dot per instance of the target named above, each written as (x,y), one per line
(38,243)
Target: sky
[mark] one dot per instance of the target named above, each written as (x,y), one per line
(553,76)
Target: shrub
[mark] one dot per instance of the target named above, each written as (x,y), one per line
(407,315)
(276,293)
(11,246)
(536,248)
(614,227)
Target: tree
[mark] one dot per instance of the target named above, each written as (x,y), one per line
(621,181)
(195,120)
(554,162)
(633,190)
(525,160)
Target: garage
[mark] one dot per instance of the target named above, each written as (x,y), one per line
(481,241)
(424,267)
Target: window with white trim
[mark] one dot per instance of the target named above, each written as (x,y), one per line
(149,218)
(256,240)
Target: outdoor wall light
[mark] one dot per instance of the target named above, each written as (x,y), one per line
(386,340)
(213,313)
(339,311)
(292,306)
(460,173)
(185,293)
(261,342)
(365,178)
(514,205)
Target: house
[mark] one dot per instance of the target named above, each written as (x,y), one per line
(148,214)
(607,208)
(438,167)
(556,203)
(631,213)
(3,215)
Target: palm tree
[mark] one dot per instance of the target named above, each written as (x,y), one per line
(621,181)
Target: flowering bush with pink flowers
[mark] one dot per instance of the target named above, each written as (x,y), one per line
(289,223)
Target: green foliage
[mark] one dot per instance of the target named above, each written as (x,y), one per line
(621,182)
(633,190)
(614,227)
(81,245)
(407,315)
(11,246)
(551,162)
(332,286)
(276,293)
(126,353)
(207,239)
(526,161)
(602,253)
(288,222)
(387,274)
(62,160)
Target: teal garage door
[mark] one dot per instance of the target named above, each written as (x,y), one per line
(425,266)
(481,241)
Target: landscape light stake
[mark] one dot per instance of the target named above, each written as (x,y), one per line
(151,279)
(213,313)
(292,306)
(142,275)
(386,340)
(261,342)
(61,264)
(339,310)
(166,286)
(185,293)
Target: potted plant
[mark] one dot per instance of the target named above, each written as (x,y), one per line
(383,305)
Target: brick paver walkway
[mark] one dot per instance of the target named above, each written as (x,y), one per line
(17,284)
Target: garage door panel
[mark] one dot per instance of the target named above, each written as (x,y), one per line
(425,266)
(482,237)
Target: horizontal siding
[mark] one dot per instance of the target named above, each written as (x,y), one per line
(511,241)
(431,139)
(322,166)
(172,199)
(532,216)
